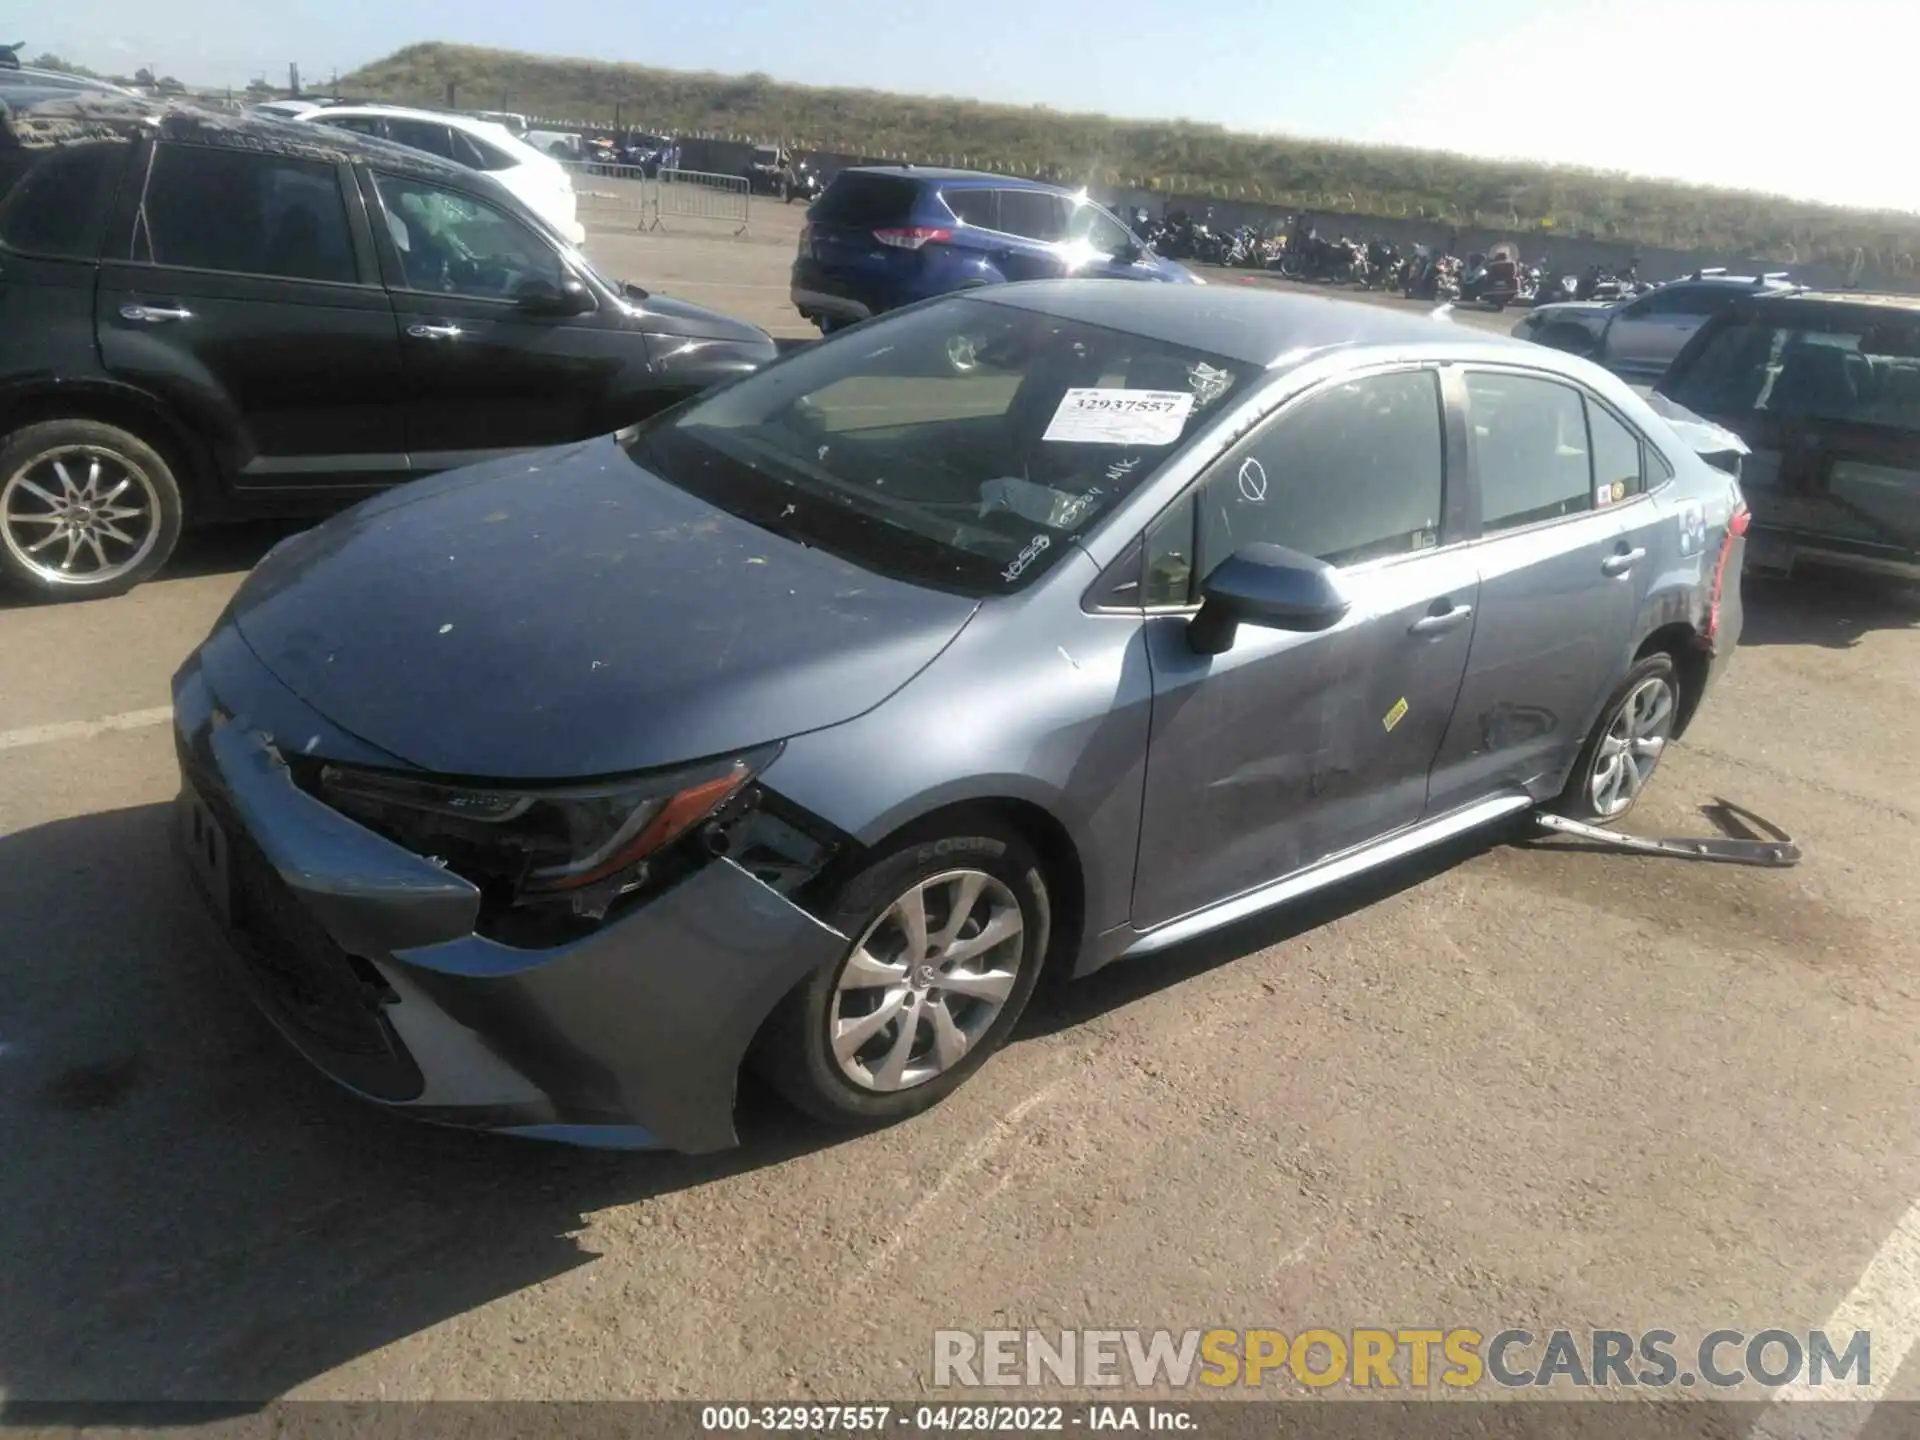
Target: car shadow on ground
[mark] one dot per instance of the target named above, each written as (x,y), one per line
(1831,608)
(195,1216)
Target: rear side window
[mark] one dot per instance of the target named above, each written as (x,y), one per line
(1531,449)
(1618,467)
(974,207)
(55,202)
(477,154)
(425,135)
(245,213)
(867,202)
(1033,213)
(1831,367)
(358,124)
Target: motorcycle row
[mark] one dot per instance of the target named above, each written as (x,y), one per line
(1495,280)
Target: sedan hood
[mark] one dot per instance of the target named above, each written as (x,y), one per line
(569,614)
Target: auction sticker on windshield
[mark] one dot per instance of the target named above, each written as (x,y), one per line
(1120,417)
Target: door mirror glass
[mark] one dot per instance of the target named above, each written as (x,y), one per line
(543,297)
(1267,585)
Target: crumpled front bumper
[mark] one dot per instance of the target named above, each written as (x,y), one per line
(364,954)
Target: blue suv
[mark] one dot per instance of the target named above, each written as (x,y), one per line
(882,237)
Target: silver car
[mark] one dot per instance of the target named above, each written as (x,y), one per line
(1638,337)
(804,726)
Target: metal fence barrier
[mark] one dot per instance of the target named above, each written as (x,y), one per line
(627,194)
(700,195)
(612,192)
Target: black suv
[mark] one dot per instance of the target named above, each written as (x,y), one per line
(210,316)
(1825,389)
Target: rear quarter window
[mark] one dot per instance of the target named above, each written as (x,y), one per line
(868,202)
(55,202)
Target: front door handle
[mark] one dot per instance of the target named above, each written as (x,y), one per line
(154,314)
(1439,624)
(420,330)
(1621,561)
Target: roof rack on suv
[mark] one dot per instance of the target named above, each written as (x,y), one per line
(1705,271)
(1770,277)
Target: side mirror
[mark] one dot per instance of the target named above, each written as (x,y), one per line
(1266,585)
(542,297)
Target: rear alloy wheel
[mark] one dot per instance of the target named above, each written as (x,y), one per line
(1626,747)
(950,938)
(86,509)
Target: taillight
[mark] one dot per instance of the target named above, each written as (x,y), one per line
(913,237)
(1737,524)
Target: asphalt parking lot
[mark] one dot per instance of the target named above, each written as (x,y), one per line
(1510,1086)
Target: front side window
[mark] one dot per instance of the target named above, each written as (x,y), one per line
(966,445)
(1098,231)
(453,244)
(1530,448)
(1352,473)
(1838,368)
(245,213)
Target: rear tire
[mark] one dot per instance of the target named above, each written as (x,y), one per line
(916,1005)
(87,510)
(1627,744)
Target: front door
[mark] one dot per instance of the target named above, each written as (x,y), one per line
(1292,747)
(1565,561)
(1032,223)
(247,305)
(485,374)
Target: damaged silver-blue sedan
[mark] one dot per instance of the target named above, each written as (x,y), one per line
(805,725)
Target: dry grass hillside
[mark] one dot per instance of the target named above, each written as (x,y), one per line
(1168,155)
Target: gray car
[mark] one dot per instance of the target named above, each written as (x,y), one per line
(1638,337)
(803,726)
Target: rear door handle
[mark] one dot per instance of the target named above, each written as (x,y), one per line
(1621,561)
(1439,624)
(154,314)
(422,331)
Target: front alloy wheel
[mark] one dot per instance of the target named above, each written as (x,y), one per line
(926,981)
(951,933)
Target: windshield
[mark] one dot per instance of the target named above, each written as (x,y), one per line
(965,444)
(1839,368)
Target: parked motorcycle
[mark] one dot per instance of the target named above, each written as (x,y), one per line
(805,185)
(1494,283)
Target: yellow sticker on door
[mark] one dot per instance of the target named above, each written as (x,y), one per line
(1394,716)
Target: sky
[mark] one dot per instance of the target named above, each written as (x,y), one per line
(1813,99)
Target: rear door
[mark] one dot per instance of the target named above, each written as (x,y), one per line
(1032,225)
(1565,562)
(249,300)
(1291,747)
(1650,331)
(483,374)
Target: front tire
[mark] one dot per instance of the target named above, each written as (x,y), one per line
(1627,744)
(87,510)
(949,937)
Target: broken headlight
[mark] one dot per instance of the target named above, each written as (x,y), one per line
(582,846)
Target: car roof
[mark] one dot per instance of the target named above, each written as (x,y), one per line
(940,175)
(1869,299)
(43,119)
(1249,323)
(491,129)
